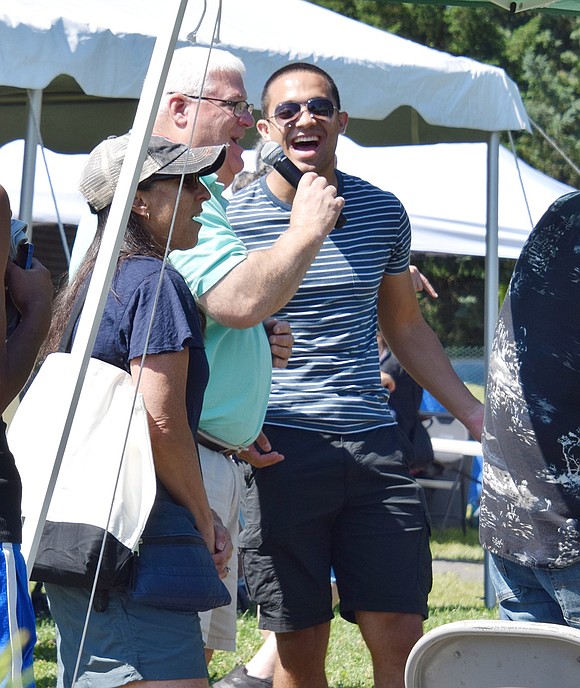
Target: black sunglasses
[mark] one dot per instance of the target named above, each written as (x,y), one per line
(319,108)
(190,180)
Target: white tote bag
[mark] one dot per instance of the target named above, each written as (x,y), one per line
(94,473)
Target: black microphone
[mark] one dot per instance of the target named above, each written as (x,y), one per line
(273,155)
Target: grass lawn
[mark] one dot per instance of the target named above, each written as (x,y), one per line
(348,663)
(478,391)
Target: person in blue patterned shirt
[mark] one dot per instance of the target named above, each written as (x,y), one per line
(344,497)
(530,503)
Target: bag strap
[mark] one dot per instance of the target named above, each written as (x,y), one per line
(65,343)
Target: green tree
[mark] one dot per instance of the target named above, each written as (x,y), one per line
(459,281)
(540,52)
(546,50)
(476,33)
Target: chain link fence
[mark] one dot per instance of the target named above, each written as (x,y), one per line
(468,362)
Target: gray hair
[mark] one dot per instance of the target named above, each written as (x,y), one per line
(188,66)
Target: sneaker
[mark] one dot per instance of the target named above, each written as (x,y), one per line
(238,678)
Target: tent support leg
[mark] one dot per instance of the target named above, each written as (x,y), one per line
(29,162)
(491,291)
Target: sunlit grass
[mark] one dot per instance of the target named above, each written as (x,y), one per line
(453,545)
(449,587)
(348,662)
(45,655)
(478,391)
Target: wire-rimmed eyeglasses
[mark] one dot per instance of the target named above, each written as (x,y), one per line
(239,107)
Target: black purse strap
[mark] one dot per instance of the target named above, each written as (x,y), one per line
(65,343)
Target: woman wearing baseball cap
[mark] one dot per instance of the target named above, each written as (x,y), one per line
(127,641)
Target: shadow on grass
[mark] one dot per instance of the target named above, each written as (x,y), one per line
(463,611)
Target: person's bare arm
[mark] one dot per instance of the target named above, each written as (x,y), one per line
(263,283)
(175,456)
(416,346)
(31,292)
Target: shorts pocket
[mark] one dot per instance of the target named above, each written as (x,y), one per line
(252,537)
(259,570)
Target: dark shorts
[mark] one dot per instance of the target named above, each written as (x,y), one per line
(346,502)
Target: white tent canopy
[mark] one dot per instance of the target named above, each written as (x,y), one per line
(443,188)
(56,195)
(413,93)
(75,60)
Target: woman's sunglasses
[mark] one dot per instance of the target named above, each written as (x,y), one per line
(190,180)
(318,108)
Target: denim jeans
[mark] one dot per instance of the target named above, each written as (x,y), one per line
(533,594)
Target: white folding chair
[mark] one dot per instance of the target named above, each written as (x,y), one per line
(495,654)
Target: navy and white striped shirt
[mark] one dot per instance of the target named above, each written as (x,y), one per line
(332,382)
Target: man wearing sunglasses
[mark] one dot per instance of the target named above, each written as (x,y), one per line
(344,497)
(237,291)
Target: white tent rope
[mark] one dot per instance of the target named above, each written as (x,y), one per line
(216,34)
(192,36)
(517,163)
(555,146)
(147,338)
(63,238)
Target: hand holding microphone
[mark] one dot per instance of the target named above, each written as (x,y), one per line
(273,155)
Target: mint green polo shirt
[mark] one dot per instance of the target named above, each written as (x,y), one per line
(240,362)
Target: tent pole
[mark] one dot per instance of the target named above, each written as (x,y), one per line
(491,244)
(106,262)
(491,291)
(34,109)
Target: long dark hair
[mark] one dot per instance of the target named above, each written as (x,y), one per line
(137,241)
